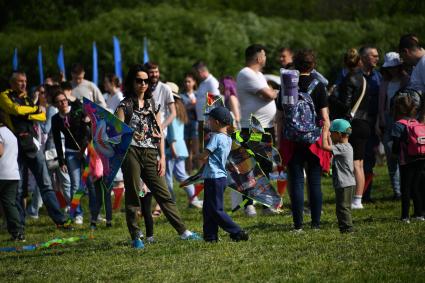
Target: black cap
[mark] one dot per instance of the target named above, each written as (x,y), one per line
(221,114)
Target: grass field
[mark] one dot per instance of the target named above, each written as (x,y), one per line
(381,250)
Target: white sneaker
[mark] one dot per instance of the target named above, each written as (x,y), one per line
(405,220)
(250,211)
(357,206)
(419,218)
(196,203)
(78,220)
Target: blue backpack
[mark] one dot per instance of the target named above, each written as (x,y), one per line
(300,118)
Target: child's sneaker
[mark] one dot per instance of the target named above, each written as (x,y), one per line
(188,235)
(150,240)
(20,237)
(240,236)
(138,244)
(419,218)
(297,231)
(250,211)
(405,220)
(78,220)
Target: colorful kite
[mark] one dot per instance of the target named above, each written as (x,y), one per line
(245,174)
(111,139)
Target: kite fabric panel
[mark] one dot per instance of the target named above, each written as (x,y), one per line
(111,139)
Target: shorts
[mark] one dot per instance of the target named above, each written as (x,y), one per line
(359,137)
(191,130)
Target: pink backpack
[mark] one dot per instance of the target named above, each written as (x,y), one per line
(415,137)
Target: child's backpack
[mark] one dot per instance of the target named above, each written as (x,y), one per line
(415,137)
(299,112)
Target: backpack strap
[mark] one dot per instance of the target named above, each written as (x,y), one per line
(312,86)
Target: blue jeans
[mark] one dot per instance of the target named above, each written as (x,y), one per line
(302,156)
(392,162)
(38,167)
(74,163)
(213,211)
(177,168)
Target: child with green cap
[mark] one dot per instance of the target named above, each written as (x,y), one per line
(342,171)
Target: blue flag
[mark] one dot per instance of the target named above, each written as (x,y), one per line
(95,77)
(40,64)
(117,57)
(61,61)
(15,62)
(145,51)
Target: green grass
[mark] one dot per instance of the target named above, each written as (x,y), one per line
(381,250)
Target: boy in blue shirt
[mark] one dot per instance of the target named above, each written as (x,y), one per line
(215,178)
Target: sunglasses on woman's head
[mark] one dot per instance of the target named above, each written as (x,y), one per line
(140,81)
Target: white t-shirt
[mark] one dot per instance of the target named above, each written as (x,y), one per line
(163,96)
(417,79)
(88,90)
(112,101)
(9,169)
(248,83)
(210,84)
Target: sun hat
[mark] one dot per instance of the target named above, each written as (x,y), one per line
(391,59)
(221,114)
(340,126)
(174,89)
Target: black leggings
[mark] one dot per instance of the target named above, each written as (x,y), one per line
(411,187)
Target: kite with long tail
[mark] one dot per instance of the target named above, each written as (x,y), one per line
(52,243)
(111,139)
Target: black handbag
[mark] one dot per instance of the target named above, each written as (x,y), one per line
(26,142)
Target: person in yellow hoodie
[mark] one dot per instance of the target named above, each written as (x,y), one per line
(20,114)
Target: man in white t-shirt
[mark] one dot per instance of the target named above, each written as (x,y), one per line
(9,181)
(255,98)
(84,88)
(413,54)
(208,84)
(162,95)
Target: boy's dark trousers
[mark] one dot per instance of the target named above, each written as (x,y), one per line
(411,187)
(213,212)
(343,208)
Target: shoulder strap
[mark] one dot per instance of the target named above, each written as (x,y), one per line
(312,86)
(356,106)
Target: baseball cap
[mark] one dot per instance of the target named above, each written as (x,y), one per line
(221,114)
(340,126)
(391,59)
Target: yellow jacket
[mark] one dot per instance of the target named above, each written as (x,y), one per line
(10,107)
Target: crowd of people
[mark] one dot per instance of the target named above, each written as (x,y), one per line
(367,105)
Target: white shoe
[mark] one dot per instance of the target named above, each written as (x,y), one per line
(405,220)
(196,203)
(419,218)
(357,206)
(78,220)
(250,211)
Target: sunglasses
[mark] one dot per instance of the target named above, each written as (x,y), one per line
(140,81)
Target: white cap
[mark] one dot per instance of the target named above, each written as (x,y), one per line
(391,59)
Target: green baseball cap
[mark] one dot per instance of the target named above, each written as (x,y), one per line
(341,126)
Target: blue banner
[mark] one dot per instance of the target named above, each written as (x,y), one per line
(61,61)
(117,58)
(95,75)
(40,64)
(15,61)
(145,51)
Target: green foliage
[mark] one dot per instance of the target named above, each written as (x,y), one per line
(178,37)
(383,249)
